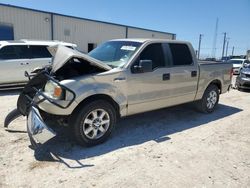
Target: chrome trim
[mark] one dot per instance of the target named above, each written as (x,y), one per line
(37,129)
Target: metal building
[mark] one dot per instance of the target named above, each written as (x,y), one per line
(24,23)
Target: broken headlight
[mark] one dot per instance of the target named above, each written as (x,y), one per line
(53,90)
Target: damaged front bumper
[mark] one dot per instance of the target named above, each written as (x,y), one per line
(38,131)
(28,105)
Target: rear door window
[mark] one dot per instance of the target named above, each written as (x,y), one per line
(39,52)
(180,54)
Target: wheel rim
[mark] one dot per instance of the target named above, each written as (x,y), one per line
(96,124)
(211,99)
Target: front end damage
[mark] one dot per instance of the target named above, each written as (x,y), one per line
(66,64)
(28,105)
(37,130)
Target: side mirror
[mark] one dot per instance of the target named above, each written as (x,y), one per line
(144,66)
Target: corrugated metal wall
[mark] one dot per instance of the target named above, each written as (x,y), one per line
(32,24)
(27,24)
(140,33)
(83,32)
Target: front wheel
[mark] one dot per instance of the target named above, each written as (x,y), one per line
(94,122)
(209,99)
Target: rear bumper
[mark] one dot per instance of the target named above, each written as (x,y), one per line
(38,131)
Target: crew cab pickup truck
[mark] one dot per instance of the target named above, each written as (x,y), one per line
(117,79)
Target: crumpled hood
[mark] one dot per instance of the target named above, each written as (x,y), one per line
(62,54)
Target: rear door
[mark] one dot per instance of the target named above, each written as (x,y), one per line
(14,60)
(39,57)
(183,72)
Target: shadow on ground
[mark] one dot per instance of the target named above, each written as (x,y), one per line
(245,90)
(152,126)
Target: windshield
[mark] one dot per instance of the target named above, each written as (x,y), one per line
(235,61)
(115,53)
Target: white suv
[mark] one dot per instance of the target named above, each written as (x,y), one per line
(16,57)
(237,64)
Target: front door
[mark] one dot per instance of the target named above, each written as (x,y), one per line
(14,60)
(145,90)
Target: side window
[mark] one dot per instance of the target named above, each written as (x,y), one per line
(39,52)
(168,54)
(180,54)
(155,53)
(8,52)
(22,51)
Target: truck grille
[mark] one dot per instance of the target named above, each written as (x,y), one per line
(247,75)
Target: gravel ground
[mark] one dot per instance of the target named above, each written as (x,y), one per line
(173,147)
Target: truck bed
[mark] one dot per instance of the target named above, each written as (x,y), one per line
(211,70)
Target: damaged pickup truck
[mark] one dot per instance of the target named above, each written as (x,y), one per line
(117,79)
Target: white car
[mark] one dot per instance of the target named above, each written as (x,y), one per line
(237,64)
(16,57)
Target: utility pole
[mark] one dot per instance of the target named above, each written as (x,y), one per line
(224,41)
(227,46)
(215,39)
(233,51)
(199,48)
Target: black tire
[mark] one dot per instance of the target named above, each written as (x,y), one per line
(84,113)
(206,104)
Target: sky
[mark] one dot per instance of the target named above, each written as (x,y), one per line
(186,18)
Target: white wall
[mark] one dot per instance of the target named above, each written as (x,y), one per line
(27,24)
(83,32)
(30,24)
(140,33)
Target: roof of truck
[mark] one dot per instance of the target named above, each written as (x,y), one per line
(36,42)
(143,40)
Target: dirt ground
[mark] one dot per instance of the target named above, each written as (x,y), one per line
(173,147)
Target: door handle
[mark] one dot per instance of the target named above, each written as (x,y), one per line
(24,63)
(166,76)
(193,73)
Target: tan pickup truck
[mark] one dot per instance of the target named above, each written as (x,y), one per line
(117,79)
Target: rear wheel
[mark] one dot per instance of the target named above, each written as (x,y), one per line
(94,122)
(209,99)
